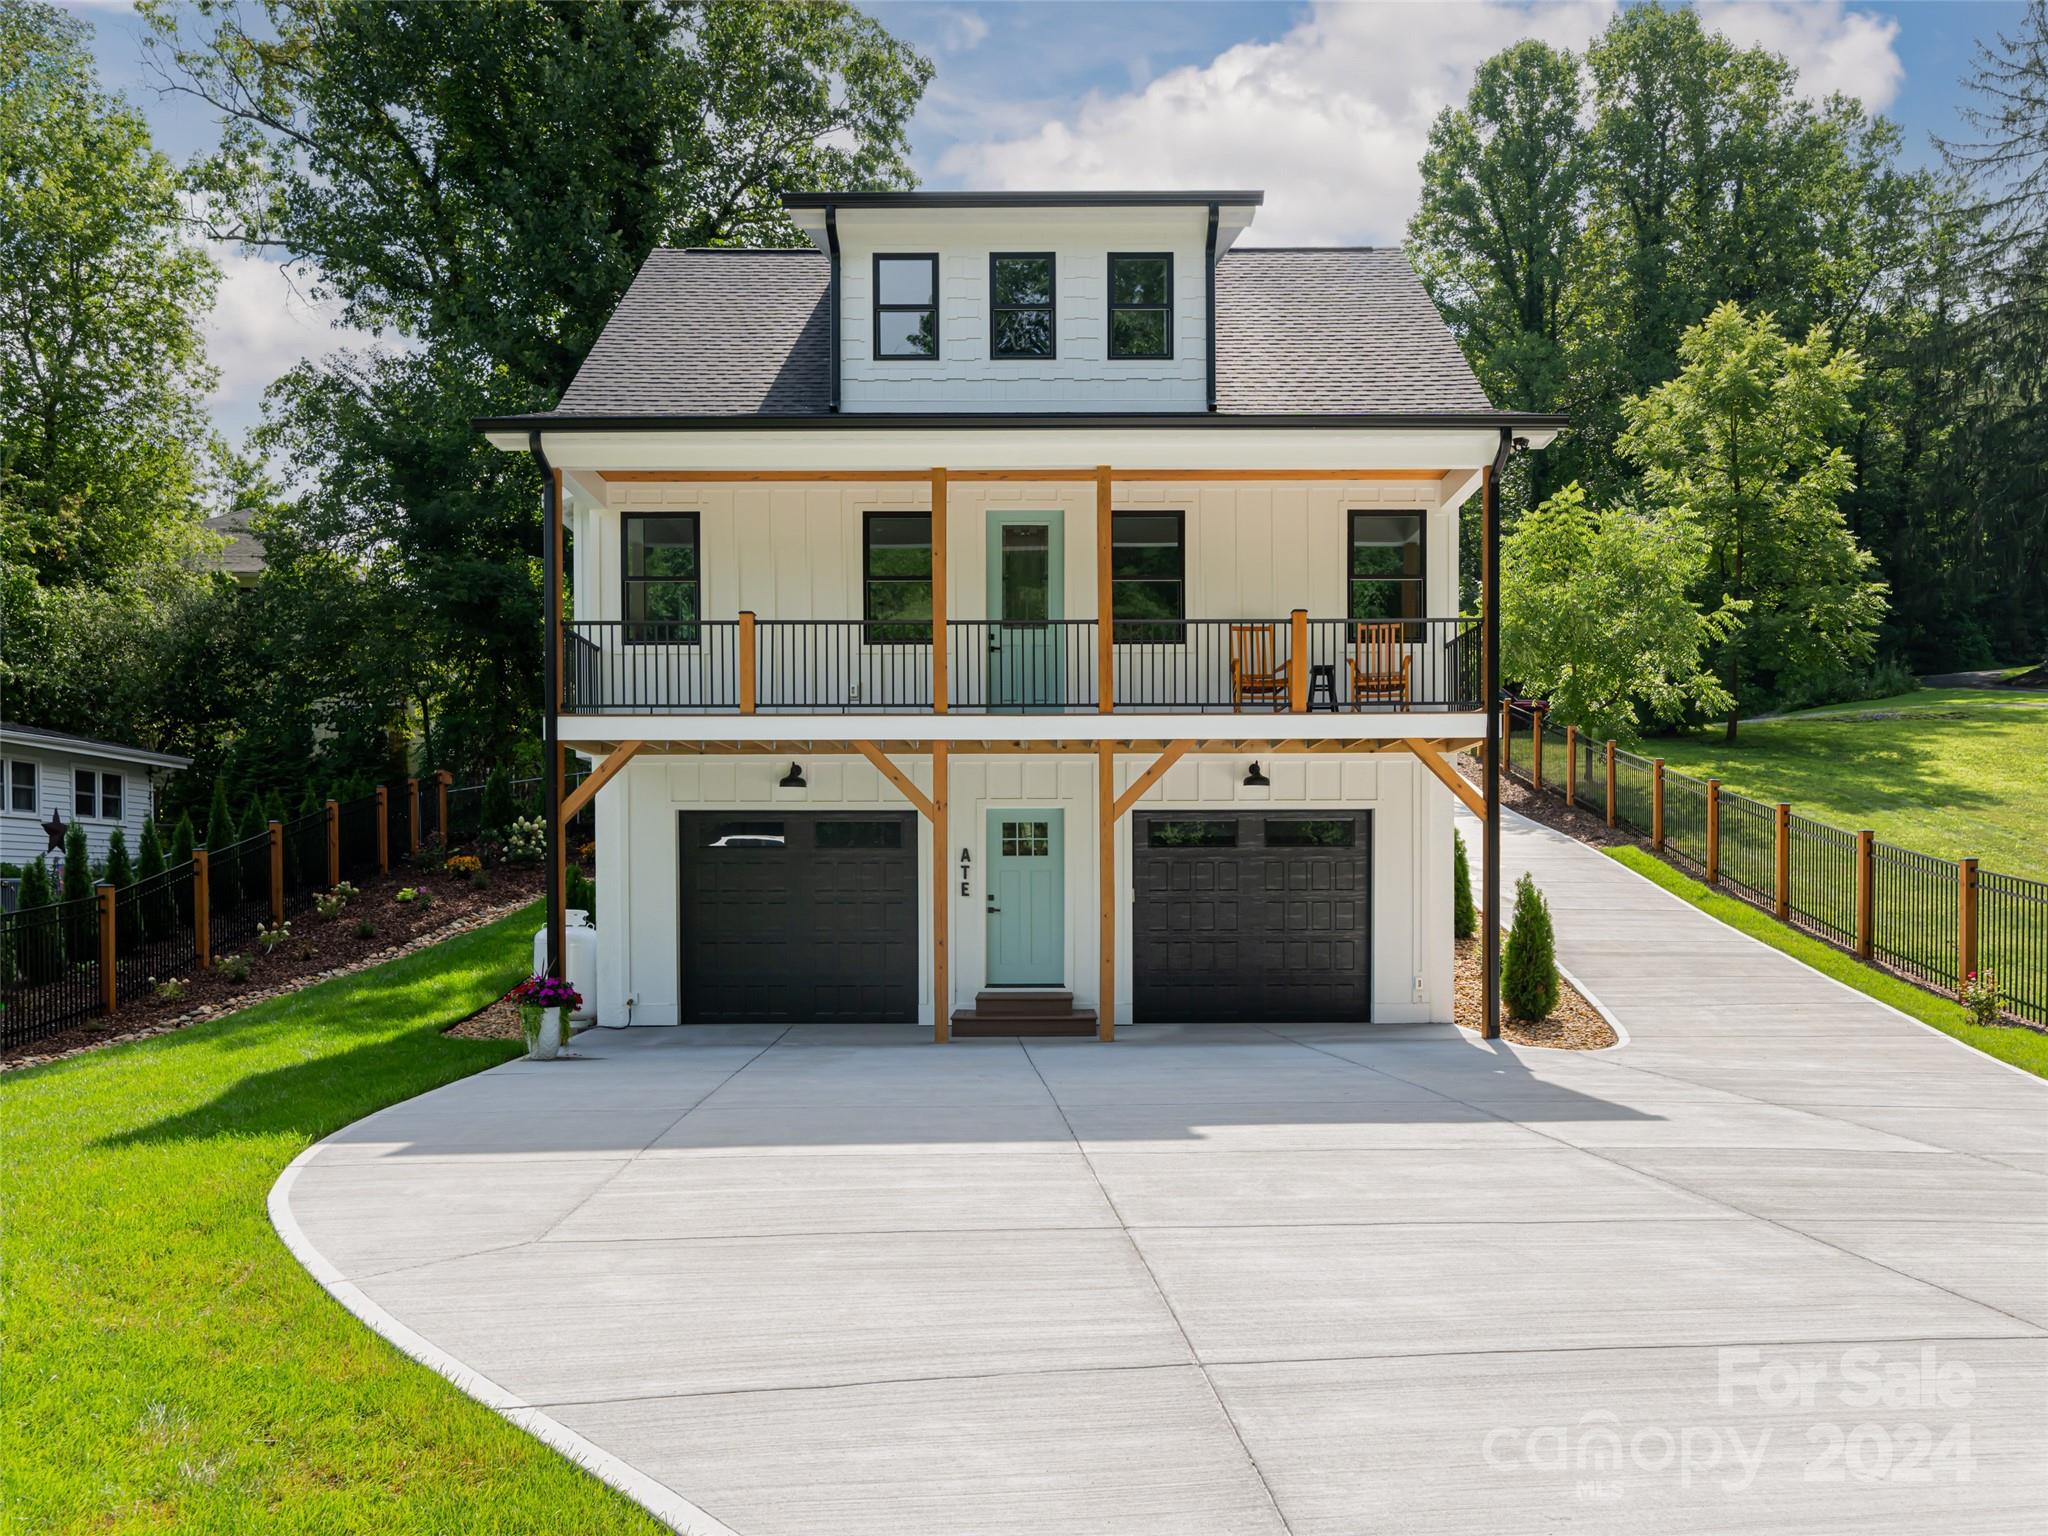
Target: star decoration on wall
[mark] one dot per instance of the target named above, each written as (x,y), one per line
(55,828)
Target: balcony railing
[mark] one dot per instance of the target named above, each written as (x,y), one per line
(854,667)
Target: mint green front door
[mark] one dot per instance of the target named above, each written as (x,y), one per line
(1027,898)
(1026,600)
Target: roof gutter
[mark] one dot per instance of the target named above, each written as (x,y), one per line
(1209,273)
(1061,421)
(832,252)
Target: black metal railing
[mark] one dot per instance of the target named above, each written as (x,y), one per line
(840,666)
(617,666)
(1001,666)
(48,986)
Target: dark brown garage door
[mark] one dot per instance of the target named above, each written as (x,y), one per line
(1262,918)
(799,919)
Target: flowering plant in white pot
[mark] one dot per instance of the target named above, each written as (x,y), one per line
(545,1003)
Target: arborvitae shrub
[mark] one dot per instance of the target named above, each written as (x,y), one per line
(1464,916)
(500,808)
(224,886)
(1529,982)
(155,911)
(38,942)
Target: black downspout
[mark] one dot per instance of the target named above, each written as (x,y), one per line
(1209,270)
(832,253)
(1489,642)
(551,698)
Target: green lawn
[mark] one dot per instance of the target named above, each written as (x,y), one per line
(169,1366)
(2024,1048)
(1946,771)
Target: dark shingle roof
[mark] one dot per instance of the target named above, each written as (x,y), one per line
(1333,330)
(714,333)
(1298,331)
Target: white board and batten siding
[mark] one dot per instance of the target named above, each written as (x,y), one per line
(22,838)
(638,834)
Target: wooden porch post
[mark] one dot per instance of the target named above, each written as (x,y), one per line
(749,670)
(1105,607)
(1866,892)
(1781,884)
(110,971)
(1297,662)
(942,900)
(1105,889)
(333,844)
(276,873)
(941,662)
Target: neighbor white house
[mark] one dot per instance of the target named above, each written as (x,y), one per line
(51,779)
(1020,612)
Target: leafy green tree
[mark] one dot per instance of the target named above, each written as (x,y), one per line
(121,876)
(1739,445)
(1597,615)
(1464,916)
(104,443)
(1529,983)
(38,941)
(499,809)
(254,875)
(181,855)
(224,879)
(81,922)
(157,911)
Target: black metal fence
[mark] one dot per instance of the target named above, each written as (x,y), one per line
(1922,916)
(50,977)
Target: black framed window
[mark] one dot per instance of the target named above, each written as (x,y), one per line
(906,306)
(663,585)
(896,578)
(859,834)
(1147,577)
(747,834)
(1207,832)
(21,786)
(1386,565)
(1299,832)
(1021,305)
(110,796)
(85,793)
(1141,305)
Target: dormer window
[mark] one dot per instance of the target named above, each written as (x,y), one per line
(907,306)
(1141,305)
(1020,288)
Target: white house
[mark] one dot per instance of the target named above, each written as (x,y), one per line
(51,779)
(1017,612)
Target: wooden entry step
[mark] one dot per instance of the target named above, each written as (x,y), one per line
(1039,1011)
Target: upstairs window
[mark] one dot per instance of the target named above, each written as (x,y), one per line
(1386,566)
(1021,305)
(662,586)
(21,787)
(1147,578)
(907,306)
(1141,306)
(896,578)
(95,796)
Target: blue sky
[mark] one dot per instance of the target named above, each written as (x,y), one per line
(1324,106)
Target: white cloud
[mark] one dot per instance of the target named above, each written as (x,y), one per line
(261,326)
(1331,118)
(961,31)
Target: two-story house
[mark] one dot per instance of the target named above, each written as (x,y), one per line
(1019,612)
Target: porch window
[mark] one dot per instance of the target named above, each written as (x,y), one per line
(1141,305)
(1386,566)
(1147,578)
(95,796)
(21,787)
(896,578)
(906,306)
(1021,305)
(662,585)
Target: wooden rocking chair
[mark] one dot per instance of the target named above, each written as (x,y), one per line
(1255,678)
(1379,664)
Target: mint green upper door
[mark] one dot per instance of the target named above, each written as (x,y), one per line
(1026,599)
(1027,928)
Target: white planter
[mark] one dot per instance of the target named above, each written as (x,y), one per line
(547,1045)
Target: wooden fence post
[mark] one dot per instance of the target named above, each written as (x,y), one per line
(1297,662)
(383,830)
(1657,803)
(1866,893)
(412,818)
(1507,736)
(110,972)
(1966,921)
(276,873)
(333,844)
(747,667)
(1571,765)
(442,780)
(1781,887)
(1713,831)
(1610,782)
(202,908)
(1536,714)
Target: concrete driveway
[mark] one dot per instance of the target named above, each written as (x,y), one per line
(1779,1264)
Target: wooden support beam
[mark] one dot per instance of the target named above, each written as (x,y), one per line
(598,777)
(1105,606)
(1010,476)
(942,900)
(1105,890)
(941,678)
(899,778)
(749,668)
(1121,806)
(1448,776)
(1297,662)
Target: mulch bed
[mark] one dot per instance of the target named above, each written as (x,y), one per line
(318,950)
(493,1021)
(1574,1024)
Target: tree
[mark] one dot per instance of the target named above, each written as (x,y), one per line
(1529,983)
(499,809)
(104,446)
(1597,615)
(121,876)
(1739,445)
(1464,916)
(224,887)
(181,856)
(38,941)
(254,876)
(81,924)
(157,910)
